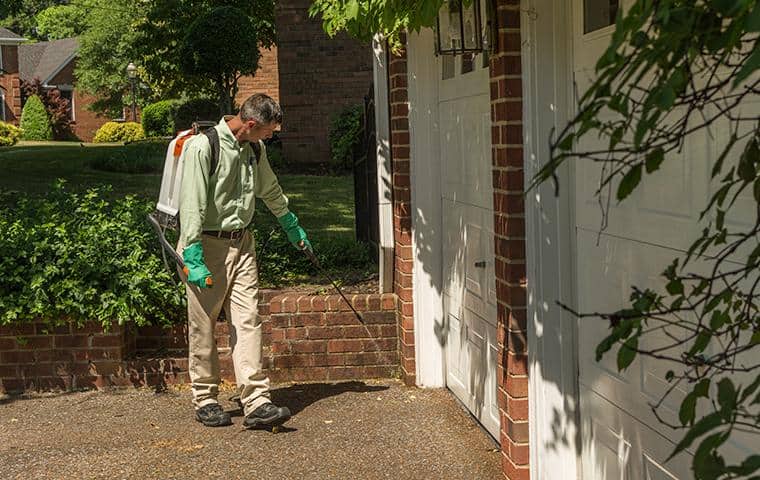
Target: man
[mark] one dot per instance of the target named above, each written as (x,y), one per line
(220,257)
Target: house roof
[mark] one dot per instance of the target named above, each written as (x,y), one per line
(7,36)
(44,60)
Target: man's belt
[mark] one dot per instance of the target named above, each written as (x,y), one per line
(230,235)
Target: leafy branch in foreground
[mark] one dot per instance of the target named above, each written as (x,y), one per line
(676,69)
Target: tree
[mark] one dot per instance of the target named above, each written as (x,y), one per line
(364,18)
(56,106)
(62,21)
(19,15)
(674,68)
(224,56)
(160,34)
(105,49)
(34,120)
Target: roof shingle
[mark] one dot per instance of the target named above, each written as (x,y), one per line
(41,60)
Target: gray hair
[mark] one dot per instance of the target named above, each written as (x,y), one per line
(262,108)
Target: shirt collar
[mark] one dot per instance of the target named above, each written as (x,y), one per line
(226,135)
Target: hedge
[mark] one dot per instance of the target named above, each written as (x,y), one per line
(9,134)
(111,132)
(158,118)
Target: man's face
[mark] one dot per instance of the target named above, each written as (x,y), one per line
(255,131)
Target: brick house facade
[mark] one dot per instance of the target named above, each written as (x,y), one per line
(10,86)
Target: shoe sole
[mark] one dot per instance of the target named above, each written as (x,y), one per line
(215,424)
(272,422)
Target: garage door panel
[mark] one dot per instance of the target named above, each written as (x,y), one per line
(468,255)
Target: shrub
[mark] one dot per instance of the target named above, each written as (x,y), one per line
(158,118)
(196,109)
(34,120)
(57,107)
(139,157)
(345,134)
(119,132)
(9,134)
(76,257)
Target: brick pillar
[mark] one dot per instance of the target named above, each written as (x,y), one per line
(402,220)
(509,238)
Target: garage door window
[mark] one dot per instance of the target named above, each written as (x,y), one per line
(598,14)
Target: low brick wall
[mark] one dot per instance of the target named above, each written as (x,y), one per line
(306,338)
(39,357)
(320,338)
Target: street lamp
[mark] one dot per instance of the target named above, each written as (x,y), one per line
(132,76)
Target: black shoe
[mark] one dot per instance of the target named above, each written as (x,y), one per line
(267,416)
(213,415)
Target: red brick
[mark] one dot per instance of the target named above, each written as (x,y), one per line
(517,408)
(295,333)
(20,357)
(304,304)
(516,386)
(309,347)
(8,371)
(324,332)
(289,305)
(71,341)
(328,360)
(318,303)
(336,346)
(275,306)
(107,341)
(308,319)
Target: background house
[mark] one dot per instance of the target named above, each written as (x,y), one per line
(10,90)
(54,63)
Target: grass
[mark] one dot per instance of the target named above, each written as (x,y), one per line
(324,204)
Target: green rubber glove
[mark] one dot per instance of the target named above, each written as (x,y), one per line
(195,269)
(296,234)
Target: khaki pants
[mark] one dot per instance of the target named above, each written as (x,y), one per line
(236,285)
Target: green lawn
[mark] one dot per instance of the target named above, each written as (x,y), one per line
(324,204)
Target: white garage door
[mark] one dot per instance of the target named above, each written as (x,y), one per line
(469,290)
(622,439)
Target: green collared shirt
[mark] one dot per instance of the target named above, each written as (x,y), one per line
(225,200)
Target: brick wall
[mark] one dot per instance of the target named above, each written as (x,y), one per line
(10,83)
(266,80)
(319,75)
(86,122)
(402,220)
(306,338)
(40,357)
(509,233)
(319,338)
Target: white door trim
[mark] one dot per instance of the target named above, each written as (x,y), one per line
(550,246)
(425,179)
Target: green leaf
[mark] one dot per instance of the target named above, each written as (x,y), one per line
(704,425)
(675,287)
(719,318)
(627,353)
(654,159)
(688,408)
(566,144)
(703,339)
(753,20)
(707,464)
(630,182)
(752,63)
(726,395)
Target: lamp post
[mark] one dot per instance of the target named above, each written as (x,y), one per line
(132,76)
